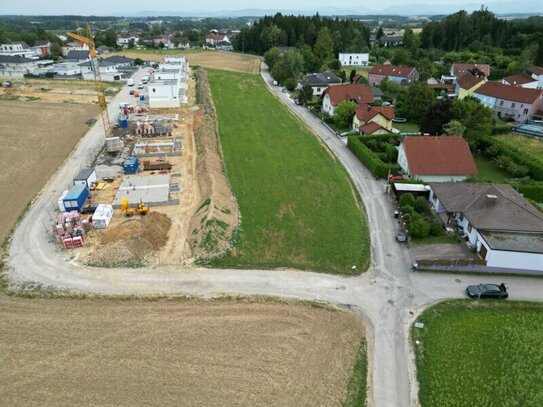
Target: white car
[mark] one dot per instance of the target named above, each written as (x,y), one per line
(140,85)
(130,82)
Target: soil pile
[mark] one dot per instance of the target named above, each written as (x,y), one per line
(130,242)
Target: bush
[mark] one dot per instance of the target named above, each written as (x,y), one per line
(367,157)
(436,228)
(407,199)
(290,84)
(421,205)
(418,228)
(532,190)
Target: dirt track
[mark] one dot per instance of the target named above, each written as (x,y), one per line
(35,140)
(108,352)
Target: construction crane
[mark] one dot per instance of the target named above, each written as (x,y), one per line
(97,78)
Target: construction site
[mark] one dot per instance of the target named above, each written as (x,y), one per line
(154,193)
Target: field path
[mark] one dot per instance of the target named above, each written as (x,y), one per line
(387,297)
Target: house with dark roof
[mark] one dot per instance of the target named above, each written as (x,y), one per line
(497,222)
(373,119)
(120,61)
(468,83)
(18,66)
(401,74)
(320,81)
(436,159)
(108,71)
(334,95)
(77,55)
(511,102)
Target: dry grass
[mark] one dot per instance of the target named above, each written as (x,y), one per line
(112,352)
(228,61)
(35,140)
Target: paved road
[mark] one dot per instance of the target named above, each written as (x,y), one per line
(387,297)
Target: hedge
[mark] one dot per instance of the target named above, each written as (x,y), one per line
(367,157)
(531,190)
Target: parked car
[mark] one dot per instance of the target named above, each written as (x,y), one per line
(401,237)
(140,85)
(130,82)
(487,291)
(7,84)
(132,92)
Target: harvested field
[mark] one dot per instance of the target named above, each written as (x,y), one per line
(110,352)
(228,61)
(35,141)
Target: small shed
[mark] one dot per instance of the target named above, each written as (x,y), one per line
(400,188)
(130,165)
(86,177)
(75,198)
(61,201)
(102,216)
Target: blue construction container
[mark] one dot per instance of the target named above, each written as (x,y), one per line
(142,97)
(130,165)
(75,198)
(123,122)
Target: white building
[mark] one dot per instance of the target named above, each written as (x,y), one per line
(123,39)
(18,66)
(496,221)
(354,59)
(108,71)
(169,84)
(74,46)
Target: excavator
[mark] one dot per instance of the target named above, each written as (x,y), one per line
(88,39)
(141,209)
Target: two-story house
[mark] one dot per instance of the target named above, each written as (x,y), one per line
(334,95)
(467,84)
(511,102)
(401,74)
(373,119)
(496,221)
(354,59)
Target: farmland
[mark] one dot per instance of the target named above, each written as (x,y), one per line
(174,352)
(297,206)
(480,353)
(35,141)
(228,61)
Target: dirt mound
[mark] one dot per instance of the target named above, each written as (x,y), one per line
(217,216)
(130,242)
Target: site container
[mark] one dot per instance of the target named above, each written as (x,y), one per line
(86,177)
(130,165)
(61,201)
(75,198)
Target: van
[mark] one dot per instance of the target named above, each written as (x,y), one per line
(145,79)
(130,82)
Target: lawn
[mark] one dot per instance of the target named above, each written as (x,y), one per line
(480,353)
(530,145)
(407,127)
(489,171)
(298,207)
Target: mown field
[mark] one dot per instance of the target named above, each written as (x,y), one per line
(480,353)
(297,206)
(102,352)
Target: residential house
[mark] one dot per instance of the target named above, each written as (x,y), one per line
(521,79)
(354,59)
(169,83)
(123,39)
(120,61)
(436,159)
(400,74)
(108,71)
(468,83)
(496,221)
(458,70)
(104,49)
(536,72)
(17,49)
(389,40)
(17,66)
(511,102)
(320,81)
(214,38)
(443,89)
(41,48)
(334,95)
(66,70)
(77,55)
(224,46)
(373,119)
(74,46)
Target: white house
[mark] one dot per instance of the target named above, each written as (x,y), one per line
(18,49)
(17,66)
(123,39)
(168,86)
(436,159)
(536,72)
(67,70)
(354,59)
(108,71)
(496,221)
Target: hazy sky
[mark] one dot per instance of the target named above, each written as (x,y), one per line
(130,7)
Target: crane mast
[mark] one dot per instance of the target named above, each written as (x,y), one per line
(99,85)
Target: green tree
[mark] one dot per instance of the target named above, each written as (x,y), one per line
(290,84)
(56,51)
(417,100)
(454,128)
(343,113)
(131,44)
(324,46)
(436,117)
(138,61)
(293,61)
(279,73)
(539,55)
(306,95)
(418,228)
(272,36)
(380,33)
(352,75)
(271,56)
(477,118)
(311,63)
(409,40)
(110,38)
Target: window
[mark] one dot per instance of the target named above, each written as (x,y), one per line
(512,105)
(469,228)
(154,90)
(461,217)
(525,111)
(501,103)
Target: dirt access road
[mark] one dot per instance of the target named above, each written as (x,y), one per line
(202,353)
(35,141)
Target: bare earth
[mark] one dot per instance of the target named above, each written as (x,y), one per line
(174,352)
(35,140)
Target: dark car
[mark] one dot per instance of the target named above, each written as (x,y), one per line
(487,291)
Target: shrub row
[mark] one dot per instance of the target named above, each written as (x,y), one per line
(532,190)
(367,157)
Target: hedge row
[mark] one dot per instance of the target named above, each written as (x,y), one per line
(531,190)
(377,167)
(498,148)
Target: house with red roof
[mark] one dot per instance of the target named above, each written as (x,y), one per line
(334,95)
(213,38)
(436,159)
(536,72)
(373,119)
(468,83)
(401,74)
(458,70)
(521,79)
(511,102)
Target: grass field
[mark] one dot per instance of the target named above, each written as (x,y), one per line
(297,206)
(489,171)
(530,145)
(229,61)
(481,354)
(175,352)
(407,127)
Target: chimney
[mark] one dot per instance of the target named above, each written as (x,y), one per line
(491,199)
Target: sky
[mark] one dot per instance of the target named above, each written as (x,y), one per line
(132,7)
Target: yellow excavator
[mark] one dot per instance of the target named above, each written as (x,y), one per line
(88,39)
(141,209)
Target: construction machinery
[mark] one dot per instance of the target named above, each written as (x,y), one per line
(88,39)
(141,209)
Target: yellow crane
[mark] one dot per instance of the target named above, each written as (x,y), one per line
(97,78)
